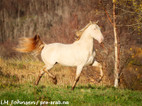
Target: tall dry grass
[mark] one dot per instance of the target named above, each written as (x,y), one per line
(26,69)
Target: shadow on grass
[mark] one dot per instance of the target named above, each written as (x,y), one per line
(89,86)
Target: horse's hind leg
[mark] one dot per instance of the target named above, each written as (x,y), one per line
(54,79)
(97,64)
(41,73)
(46,70)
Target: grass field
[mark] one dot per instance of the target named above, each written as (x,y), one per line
(17,86)
(81,95)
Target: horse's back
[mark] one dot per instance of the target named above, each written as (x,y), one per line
(65,54)
(51,53)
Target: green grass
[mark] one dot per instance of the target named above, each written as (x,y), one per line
(84,95)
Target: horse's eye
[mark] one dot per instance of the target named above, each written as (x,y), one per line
(95,28)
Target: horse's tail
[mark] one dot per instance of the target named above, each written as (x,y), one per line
(27,45)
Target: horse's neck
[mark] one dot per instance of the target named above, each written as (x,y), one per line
(86,41)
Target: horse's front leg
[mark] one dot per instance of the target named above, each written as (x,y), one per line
(97,64)
(78,72)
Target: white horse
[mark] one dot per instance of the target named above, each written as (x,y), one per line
(79,54)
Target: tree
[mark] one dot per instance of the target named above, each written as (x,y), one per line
(116,46)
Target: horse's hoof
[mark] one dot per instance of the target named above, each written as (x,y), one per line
(72,88)
(99,80)
(35,83)
(54,80)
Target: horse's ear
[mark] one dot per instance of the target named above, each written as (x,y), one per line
(97,21)
(90,22)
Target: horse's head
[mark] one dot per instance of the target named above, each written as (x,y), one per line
(95,32)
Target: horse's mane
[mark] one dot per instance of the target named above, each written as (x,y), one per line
(79,33)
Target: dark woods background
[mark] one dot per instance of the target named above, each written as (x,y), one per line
(58,20)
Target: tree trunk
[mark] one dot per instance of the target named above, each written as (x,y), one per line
(116,63)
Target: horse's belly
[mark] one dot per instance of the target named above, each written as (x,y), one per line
(68,61)
(90,60)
